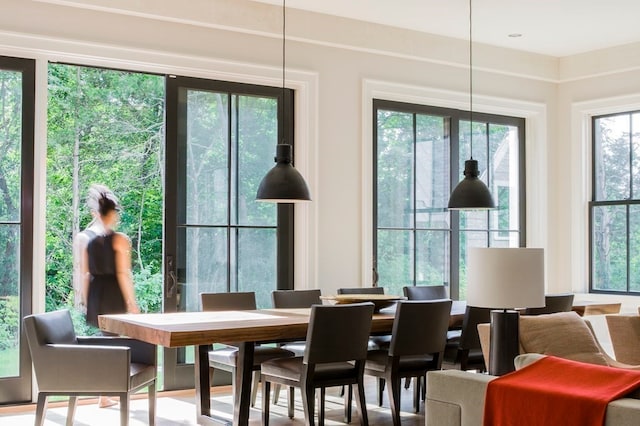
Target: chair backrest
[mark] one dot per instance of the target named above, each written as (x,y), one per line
(469,338)
(420,327)
(44,329)
(293,299)
(425,292)
(625,337)
(361,290)
(553,303)
(338,333)
(228,301)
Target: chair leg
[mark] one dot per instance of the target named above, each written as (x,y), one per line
(348,403)
(416,394)
(266,390)
(361,403)
(394,384)
(321,397)
(276,393)
(308,402)
(71,411)
(423,387)
(152,403)
(407,383)
(124,409)
(254,387)
(291,403)
(41,409)
(380,382)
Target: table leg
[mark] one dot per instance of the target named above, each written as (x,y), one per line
(242,391)
(203,387)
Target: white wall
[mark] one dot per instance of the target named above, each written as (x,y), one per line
(330,58)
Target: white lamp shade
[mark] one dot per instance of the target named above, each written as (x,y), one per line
(505,278)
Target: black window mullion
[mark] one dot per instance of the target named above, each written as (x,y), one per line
(415,186)
(229,183)
(628,207)
(454,174)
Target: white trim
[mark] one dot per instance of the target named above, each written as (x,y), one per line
(40,189)
(581,115)
(305,84)
(536,150)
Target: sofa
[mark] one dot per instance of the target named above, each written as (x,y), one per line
(456,398)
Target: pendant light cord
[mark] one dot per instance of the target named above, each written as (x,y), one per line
(284,53)
(471,79)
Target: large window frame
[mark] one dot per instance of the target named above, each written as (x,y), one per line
(455,116)
(627,203)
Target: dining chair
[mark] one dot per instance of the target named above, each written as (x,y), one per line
(293,299)
(226,358)
(70,365)
(553,303)
(411,355)
(466,350)
(425,292)
(335,355)
(361,290)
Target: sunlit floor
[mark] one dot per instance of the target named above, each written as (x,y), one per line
(178,408)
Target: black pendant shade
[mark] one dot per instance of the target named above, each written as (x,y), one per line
(283,183)
(471,193)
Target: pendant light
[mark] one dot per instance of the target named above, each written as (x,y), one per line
(283,183)
(471,193)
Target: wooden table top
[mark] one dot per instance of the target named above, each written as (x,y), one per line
(202,328)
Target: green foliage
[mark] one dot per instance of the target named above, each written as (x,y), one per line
(104,126)
(10,324)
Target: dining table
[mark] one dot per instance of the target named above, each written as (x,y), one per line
(244,329)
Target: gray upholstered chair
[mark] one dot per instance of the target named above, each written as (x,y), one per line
(73,366)
(293,299)
(410,355)
(361,290)
(466,350)
(553,303)
(226,358)
(425,292)
(335,355)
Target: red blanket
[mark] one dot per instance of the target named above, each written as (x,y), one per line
(555,391)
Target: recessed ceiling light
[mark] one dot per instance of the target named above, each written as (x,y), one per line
(515,35)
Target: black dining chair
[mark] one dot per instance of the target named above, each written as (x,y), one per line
(361,290)
(335,355)
(409,355)
(425,292)
(226,358)
(466,350)
(553,303)
(293,299)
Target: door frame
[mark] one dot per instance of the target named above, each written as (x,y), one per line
(179,375)
(19,389)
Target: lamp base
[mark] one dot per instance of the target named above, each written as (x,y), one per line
(505,341)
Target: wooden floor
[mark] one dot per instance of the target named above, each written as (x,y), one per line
(178,408)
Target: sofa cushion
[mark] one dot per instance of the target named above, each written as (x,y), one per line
(563,334)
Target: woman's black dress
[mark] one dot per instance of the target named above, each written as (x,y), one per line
(105,296)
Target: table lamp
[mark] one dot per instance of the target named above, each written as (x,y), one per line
(505,279)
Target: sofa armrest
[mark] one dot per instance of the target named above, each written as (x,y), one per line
(451,391)
(141,352)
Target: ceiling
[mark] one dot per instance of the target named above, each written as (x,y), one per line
(551,27)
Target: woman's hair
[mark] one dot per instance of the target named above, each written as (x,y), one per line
(102,200)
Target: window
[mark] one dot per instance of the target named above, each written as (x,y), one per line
(419,156)
(614,212)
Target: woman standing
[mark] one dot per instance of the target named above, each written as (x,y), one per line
(105,264)
(106,260)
